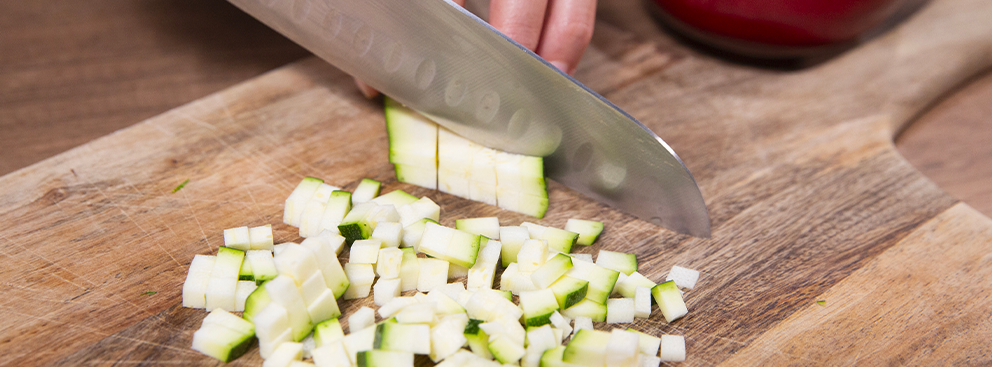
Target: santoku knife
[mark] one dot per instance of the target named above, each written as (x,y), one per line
(453,67)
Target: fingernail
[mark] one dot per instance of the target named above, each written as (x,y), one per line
(561,66)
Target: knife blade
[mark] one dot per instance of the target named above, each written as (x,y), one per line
(455,68)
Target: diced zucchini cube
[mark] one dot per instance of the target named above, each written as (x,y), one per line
(588,230)
(669,300)
(237,238)
(487,226)
(672,348)
(619,310)
(683,277)
(366,190)
(361,277)
(619,261)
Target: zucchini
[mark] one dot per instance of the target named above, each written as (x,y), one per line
(669,300)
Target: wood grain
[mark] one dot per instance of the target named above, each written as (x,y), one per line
(808,196)
(73,71)
(950,144)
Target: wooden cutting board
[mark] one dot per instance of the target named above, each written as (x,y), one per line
(808,197)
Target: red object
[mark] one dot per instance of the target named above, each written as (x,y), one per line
(785,23)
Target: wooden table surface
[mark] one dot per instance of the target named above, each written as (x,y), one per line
(72,71)
(836,214)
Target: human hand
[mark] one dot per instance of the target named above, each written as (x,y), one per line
(557,30)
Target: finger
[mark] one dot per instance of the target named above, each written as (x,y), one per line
(460,3)
(366,90)
(521,20)
(567,31)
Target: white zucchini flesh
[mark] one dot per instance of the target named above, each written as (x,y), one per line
(447,338)
(284,354)
(587,348)
(390,233)
(361,277)
(432,273)
(649,361)
(367,190)
(581,322)
(561,323)
(412,143)
(395,305)
(628,286)
(221,287)
(452,290)
(642,303)
(263,265)
(486,226)
(450,244)
(230,321)
(512,238)
(197,280)
(237,238)
(588,230)
(538,306)
(359,341)
(325,307)
(336,208)
(308,346)
(619,310)
(417,210)
(582,257)
(551,270)
(389,262)
(601,280)
(532,255)
(396,198)
(672,348)
(443,304)
(411,338)
(409,270)
(241,292)
(385,290)
(296,262)
(542,338)
(361,319)
(261,237)
(311,218)
(684,277)
(418,313)
(619,261)
(505,350)
(283,291)
(271,322)
(327,332)
(220,342)
(647,344)
(669,300)
(298,199)
(365,251)
(313,287)
(323,248)
(482,274)
(383,213)
(332,355)
(456,271)
(266,349)
(621,349)
(413,233)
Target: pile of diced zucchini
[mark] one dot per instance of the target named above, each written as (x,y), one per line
(289,292)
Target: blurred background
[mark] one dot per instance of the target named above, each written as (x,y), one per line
(74,70)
